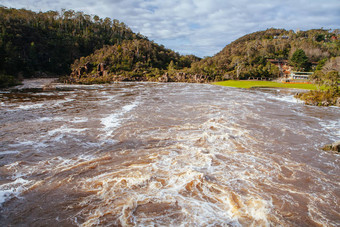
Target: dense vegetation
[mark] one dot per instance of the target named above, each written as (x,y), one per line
(244,58)
(130,60)
(46,44)
(247,56)
(327,79)
(41,44)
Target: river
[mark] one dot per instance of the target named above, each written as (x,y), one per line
(171,154)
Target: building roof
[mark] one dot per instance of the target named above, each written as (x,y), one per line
(303,73)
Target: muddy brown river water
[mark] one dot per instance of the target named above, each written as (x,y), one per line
(153,154)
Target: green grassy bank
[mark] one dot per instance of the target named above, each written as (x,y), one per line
(253,84)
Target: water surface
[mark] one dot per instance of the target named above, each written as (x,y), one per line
(166,154)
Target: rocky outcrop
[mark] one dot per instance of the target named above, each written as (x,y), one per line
(200,78)
(101,70)
(80,71)
(332,147)
(338,102)
(183,77)
(88,74)
(87,69)
(164,78)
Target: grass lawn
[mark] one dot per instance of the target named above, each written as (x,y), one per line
(258,83)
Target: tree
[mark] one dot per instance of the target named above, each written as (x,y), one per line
(238,64)
(320,37)
(329,79)
(299,60)
(171,67)
(330,93)
(321,63)
(96,18)
(317,77)
(332,64)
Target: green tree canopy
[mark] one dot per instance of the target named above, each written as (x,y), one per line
(299,60)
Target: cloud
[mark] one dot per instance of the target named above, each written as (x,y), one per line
(200,27)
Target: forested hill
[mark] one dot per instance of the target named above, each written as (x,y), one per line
(130,60)
(247,56)
(40,44)
(91,49)
(47,44)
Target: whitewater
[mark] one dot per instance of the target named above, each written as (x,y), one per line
(166,154)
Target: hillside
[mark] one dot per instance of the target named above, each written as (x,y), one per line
(44,44)
(247,56)
(130,60)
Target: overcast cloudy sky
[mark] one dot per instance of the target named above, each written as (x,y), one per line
(200,27)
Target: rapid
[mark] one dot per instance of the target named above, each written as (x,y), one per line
(166,154)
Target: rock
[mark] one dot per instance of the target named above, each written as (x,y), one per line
(181,77)
(164,78)
(336,146)
(337,102)
(81,70)
(332,147)
(101,69)
(327,147)
(200,78)
(325,103)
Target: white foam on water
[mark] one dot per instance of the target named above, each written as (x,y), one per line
(332,126)
(113,121)
(44,119)
(20,171)
(22,143)
(12,189)
(286,98)
(63,101)
(32,106)
(64,129)
(29,143)
(130,107)
(9,152)
(46,93)
(185,179)
(79,120)
(63,119)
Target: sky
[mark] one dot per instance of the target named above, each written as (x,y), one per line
(200,27)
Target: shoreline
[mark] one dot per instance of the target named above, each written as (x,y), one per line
(251,84)
(50,84)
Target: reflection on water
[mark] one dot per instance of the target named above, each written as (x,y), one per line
(166,154)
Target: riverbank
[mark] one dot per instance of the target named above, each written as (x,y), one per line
(257,83)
